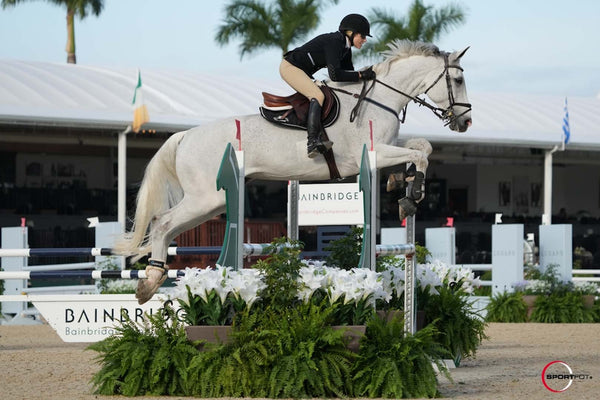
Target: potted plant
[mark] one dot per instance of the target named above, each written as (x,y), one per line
(588,290)
(394,364)
(210,299)
(507,307)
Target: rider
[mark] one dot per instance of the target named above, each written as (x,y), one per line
(331,50)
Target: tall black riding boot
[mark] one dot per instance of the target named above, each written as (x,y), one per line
(314,128)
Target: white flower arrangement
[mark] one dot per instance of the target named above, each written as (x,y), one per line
(357,287)
(586,288)
(536,286)
(447,275)
(118,286)
(353,286)
(243,284)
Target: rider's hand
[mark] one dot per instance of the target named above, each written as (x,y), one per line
(368,74)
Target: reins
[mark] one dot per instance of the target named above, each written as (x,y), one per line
(446,115)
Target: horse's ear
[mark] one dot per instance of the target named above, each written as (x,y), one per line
(462,53)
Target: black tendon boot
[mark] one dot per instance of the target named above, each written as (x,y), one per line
(313,128)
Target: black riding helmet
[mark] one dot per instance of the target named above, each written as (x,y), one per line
(356,23)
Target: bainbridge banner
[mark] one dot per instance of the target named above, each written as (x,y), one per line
(91,318)
(330,204)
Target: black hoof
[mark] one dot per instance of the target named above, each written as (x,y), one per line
(406,208)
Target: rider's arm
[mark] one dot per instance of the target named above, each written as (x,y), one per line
(339,62)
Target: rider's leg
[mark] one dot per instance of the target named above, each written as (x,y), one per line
(314,144)
(301,82)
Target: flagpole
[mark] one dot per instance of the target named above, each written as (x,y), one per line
(548,158)
(122,178)
(547,216)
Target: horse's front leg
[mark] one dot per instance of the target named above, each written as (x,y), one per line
(414,177)
(399,180)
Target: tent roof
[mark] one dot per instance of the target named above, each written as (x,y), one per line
(88,96)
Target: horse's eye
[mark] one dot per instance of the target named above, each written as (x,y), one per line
(459,81)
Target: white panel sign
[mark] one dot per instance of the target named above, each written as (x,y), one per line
(441,244)
(556,248)
(507,257)
(91,318)
(330,204)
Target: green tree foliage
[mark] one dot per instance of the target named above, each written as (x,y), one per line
(422,23)
(265,24)
(80,8)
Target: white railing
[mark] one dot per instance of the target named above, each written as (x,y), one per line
(477,267)
(586,272)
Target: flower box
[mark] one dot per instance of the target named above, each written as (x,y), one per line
(208,333)
(354,333)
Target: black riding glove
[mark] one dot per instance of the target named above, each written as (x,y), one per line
(368,74)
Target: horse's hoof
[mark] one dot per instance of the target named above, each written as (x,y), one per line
(406,208)
(142,293)
(146,288)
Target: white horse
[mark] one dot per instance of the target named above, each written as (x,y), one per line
(179,192)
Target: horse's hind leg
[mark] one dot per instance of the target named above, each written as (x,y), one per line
(188,213)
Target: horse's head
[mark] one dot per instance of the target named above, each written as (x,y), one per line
(449,92)
(444,84)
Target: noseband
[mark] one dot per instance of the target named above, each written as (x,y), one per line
(447,115)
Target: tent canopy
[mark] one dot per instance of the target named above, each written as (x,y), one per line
(37,93)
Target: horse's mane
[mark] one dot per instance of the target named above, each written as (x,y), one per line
(403,48)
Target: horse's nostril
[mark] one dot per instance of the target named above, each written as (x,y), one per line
(469,122)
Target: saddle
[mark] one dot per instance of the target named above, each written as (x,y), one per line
(291,111)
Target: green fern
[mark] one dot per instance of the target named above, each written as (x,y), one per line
(561,308)
(507,307)
(460,330)
(394,365)
(278,354)
(144,359)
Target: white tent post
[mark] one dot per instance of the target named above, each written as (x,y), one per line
(547,217)
(122,177)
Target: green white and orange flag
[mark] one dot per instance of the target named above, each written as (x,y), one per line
(140,111)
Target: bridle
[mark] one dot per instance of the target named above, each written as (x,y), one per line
(447,115)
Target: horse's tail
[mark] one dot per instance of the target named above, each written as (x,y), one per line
(159,191)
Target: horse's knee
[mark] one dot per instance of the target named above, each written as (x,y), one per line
(420,144)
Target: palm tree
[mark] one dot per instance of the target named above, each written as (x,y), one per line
(423,23)
(274,24)
(80,8)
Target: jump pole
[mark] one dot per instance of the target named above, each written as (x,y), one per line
(247,250)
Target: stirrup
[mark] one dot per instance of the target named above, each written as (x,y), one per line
(314,149)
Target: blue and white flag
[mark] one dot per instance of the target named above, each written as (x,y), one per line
(565,126)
